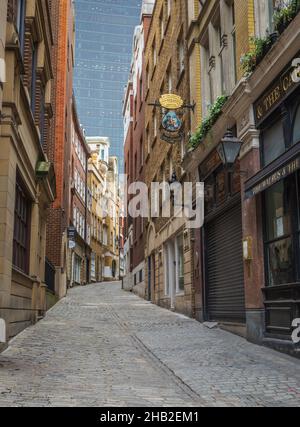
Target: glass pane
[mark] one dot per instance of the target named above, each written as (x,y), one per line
(273,142)
(296,132)
(278,211)
(298,200)
(281,262)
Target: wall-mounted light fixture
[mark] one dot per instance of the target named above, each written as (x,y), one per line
(229,149)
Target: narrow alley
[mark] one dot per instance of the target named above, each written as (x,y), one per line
(101,346)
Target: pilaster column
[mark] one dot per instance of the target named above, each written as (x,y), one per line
(252,228)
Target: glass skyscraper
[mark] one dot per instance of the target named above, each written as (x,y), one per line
(104,34)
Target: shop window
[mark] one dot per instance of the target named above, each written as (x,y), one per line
(296,130)
(273,142)
(280,250)
(21,242)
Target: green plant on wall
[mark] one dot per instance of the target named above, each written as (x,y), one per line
(260,47)
(205,127)
(283,16)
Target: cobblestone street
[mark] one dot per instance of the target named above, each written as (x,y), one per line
(101,346)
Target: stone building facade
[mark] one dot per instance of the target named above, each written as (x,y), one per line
(79,257)
(167,249)
(27,177)
(103,180)
(246,269)
(97,171)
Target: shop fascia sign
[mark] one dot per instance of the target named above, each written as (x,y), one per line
(172,108)
(277,176)
(279,90)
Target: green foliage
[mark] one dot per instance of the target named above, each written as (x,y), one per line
(284,15)
(214,113)
(250,60)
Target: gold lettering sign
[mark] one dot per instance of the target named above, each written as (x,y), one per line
(171,101)
(277,176)
(282,87)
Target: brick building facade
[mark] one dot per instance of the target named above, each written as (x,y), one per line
(134,151)
(246,269)
(167,249)
(60,145)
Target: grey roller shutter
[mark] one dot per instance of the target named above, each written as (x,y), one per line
(225,275)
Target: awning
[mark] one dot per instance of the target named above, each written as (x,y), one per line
(282,167)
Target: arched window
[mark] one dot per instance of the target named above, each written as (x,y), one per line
(296,130)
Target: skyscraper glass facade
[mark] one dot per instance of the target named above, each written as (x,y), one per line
(104,33)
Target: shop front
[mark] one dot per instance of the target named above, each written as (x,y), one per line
(277,185)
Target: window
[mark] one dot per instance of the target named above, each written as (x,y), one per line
(296,129)
(181,56)
(282,231)
(33,77)
(77,269)
(169,79)
(42,117)
(180,263)
(273,142)
(233,44)
(206,79)
(168,8)
(21,242)
(162,25)
(166,269)
(148,140)
(154,125)
(141,152)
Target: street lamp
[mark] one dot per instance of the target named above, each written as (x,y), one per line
(229,149)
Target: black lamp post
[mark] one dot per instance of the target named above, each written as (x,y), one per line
(229,150)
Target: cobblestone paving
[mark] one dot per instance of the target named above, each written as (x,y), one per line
(101,346)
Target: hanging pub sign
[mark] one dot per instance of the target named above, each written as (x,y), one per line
(171,107)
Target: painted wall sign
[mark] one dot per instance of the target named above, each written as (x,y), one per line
(171,122)
(277,176)
(272,98)
(171,101)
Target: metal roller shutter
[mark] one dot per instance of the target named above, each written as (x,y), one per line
(225,275)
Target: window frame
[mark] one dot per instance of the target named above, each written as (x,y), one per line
(18,242)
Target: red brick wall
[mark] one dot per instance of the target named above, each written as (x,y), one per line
(59,149)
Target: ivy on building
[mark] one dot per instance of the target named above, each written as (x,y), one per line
(206,125)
